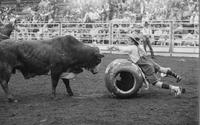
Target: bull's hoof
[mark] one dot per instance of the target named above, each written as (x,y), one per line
(70,93)
(11,100)
(29,75)
(54,98)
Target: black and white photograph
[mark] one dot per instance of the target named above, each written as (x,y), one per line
(99,62)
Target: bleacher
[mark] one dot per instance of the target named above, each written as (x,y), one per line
(12,3)
(167,36)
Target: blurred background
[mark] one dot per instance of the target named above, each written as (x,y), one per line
(174,24)
(98,10)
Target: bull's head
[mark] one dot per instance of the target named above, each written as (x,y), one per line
(95,69)
(95,61)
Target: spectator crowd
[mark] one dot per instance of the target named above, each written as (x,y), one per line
(46,11)
(49,12)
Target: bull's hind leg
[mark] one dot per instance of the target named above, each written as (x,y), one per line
(5,75)
(68,88)
(4,85)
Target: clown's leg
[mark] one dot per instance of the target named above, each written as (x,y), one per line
(168,71)
(176,89)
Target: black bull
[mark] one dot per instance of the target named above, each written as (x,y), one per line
(57,56)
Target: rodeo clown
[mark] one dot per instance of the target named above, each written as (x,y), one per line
(138,56)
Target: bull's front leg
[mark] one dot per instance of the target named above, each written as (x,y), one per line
(68,88)
(54,82)
(4,85)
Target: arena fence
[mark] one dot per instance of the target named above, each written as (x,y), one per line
(166,37)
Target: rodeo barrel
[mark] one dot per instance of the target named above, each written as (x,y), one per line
(123,78)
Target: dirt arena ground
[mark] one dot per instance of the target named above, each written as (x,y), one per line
(92,104)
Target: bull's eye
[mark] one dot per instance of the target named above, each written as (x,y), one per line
(98,61)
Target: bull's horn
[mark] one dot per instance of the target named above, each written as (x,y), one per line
(101,55)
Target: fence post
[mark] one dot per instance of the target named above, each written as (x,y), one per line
(198,24)
(60,29)
(15,33)
(171,45)
(110,35)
